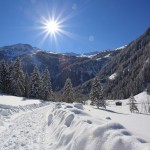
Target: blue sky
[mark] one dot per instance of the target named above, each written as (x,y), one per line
(90,25)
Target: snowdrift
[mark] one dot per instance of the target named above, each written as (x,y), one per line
(71,128)
(33,124)
(10,105)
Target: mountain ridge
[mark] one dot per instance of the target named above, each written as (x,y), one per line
(61,66)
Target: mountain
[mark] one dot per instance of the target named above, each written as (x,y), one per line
(89,55)
(129,71)
(78,68)
(13,51)
(122,71)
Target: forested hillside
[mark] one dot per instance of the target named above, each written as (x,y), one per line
(131,68)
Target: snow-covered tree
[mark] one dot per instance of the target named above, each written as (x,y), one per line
(17,78)
(27,85)
(132,104)
(96,94)
(35,84)
(46,92)
(68,95)
(4,77)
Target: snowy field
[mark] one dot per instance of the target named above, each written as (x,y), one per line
(34,125)
(16,101)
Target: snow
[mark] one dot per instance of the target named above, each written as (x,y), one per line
(122,47)
(141,97)
(16,101)
(62,126)
(18,50)
(98,59)
(138,124)
(88,56)
(113,76)
(108,55)
(78,105)
(52,52)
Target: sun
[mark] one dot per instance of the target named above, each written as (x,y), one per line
(52,26)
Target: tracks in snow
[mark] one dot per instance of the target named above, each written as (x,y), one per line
(65,126)
(27,132)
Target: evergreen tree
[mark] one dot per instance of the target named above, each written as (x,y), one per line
(96,94)
(17,78)
(27,85)
(132,105)
(47,93)
(4,77)
(148,89)
(35,87)
(68,95)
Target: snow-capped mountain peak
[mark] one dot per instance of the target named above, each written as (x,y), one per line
(17,50)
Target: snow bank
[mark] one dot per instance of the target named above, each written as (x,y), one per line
(141,97)
(18,109)
(10,101)
(63,126)
(78,105)
(69,130)
(10,105)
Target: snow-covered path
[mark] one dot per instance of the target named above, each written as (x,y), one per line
(26,132)
(61,126)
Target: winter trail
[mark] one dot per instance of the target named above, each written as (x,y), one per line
(62,126)
(27,132)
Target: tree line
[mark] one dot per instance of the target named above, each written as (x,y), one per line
(15,82)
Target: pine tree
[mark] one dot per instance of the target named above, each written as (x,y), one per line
(35,84)
(132,105)
(96,94)
(27,85)
(47,93)
(148,89)
(68,95)
(4,77)
(17,78)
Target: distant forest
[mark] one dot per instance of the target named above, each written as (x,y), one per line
(15,82)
